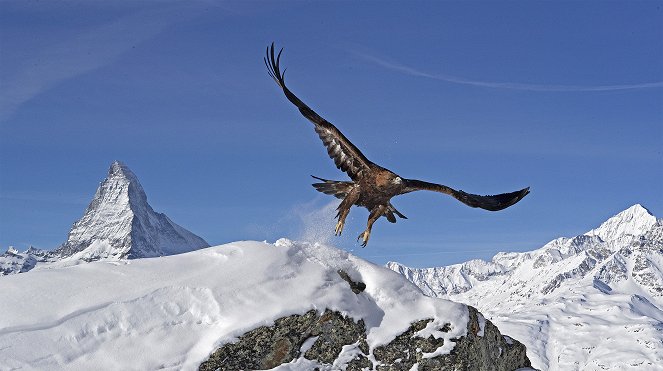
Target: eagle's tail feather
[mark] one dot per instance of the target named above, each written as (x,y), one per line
(336,188)
(391,210)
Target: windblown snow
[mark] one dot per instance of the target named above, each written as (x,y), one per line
(171,312)
(591,302)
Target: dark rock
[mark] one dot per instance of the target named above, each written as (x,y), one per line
(406,349)
(482,349)
(334,331)
(356,287)
(475,352)
(269,346)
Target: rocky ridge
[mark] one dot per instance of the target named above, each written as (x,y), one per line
(333,341)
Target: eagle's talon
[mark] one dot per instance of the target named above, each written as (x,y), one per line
(339,228)
(365,235)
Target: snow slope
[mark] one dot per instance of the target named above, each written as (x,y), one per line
(171,312)
(591,302)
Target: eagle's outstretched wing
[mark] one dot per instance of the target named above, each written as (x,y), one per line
(346,156)
(492,203)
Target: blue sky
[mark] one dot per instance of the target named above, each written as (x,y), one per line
(488,97)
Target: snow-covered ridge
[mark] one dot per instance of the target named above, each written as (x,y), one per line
(634,221)
(614,270)
(632,231)
(119,223)
(95,316)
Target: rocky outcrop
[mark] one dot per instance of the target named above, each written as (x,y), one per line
(335,341)
(269,346)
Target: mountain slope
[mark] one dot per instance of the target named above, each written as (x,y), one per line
(588,302)
(172,312)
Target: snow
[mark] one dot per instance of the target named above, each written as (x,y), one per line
(482,324)
(590,302)
(635,221)
(171,312)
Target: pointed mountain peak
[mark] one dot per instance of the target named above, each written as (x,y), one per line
(636,210)
(119,169)
(119,223)
(634,221)
(121,178)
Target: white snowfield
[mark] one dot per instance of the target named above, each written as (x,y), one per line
(171,312)
(591,302)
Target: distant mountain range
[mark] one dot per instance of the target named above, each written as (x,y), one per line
(118,224)
(590,302)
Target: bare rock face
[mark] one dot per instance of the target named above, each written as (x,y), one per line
(484,348)
(334,341)
(267,347)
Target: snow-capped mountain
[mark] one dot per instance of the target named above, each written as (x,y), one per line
(588,302)
(118,224)
(13,261)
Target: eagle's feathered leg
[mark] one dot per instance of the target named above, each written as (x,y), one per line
(344,209)
(375,214)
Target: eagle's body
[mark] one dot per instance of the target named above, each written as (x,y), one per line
(372,186)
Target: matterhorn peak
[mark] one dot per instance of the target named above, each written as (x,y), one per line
(119,175)
(119,169)
(634,221)
(119,223)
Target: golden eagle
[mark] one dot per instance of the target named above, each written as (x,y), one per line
(372,186)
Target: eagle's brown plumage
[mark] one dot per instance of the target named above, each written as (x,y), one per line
(372,186)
